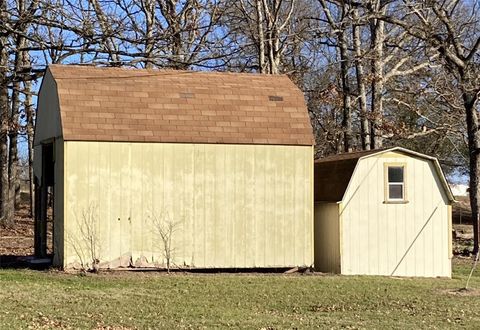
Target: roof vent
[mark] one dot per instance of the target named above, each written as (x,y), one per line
(187,95)
(275,98)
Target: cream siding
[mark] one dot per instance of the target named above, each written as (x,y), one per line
(233,206)
(327,237)
(48,124)
(381,238)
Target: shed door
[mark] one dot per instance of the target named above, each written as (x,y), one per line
(121,220)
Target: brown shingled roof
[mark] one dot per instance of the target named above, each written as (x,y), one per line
(333,173)
(113,104)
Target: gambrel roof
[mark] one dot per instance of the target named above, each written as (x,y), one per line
(333,173)
(117,104)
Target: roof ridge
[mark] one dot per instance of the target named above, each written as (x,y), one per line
(350,155)
(163,70)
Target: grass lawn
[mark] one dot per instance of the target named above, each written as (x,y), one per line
(120,300)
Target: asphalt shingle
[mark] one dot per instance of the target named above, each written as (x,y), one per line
(117,104)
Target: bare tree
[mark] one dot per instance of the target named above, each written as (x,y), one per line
(452,30)
(377,31)
(86,240)
(6,212)
(263,30)
(360,78)
(339,29)
(166,227)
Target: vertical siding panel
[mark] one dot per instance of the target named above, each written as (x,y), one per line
(306,221)
(103,207)
(170,203)
(147,183)
(299,205)
(259,191)
(229,171)
(418,212)
(373,204)
(114,223)
(362,222)
(270,223)
(240,206)
(248,190)
(126,203)
(199,206)
(157,208)
(219,204)
(379,217)
(410,229)
(281,215)
(289,170)
(428,242)
(209,224)
(177,215)
(348,229)
(299,167)
(138,168)
(237,249)
(281,157)
(189,197)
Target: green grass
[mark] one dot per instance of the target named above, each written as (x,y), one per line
(155,300)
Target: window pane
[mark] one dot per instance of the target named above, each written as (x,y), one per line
(395,191)
(395,174)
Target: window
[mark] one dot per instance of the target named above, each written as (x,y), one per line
(395,189)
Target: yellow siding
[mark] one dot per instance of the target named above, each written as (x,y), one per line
(231,205)
(327,237)
(409,239)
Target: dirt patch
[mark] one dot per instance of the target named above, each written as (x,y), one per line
(18,241)
(462,239)
(463,292)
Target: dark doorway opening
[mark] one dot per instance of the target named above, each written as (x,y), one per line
(44,205)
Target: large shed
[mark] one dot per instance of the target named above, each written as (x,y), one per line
(218,164)
(382,212)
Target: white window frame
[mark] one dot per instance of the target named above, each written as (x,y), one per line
(402,184)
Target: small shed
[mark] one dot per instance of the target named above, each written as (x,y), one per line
(208,170)
(382,212)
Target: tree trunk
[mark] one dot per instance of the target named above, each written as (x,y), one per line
(6,217)
(13,181)
(378,36)
(474,153)
(30,126)
(30,131)
(362,91)
(261,37)
(149,11)
(108,43)
(347,103)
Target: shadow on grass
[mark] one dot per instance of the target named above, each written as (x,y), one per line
(8,261)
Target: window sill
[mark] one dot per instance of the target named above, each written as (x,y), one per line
(395,202)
